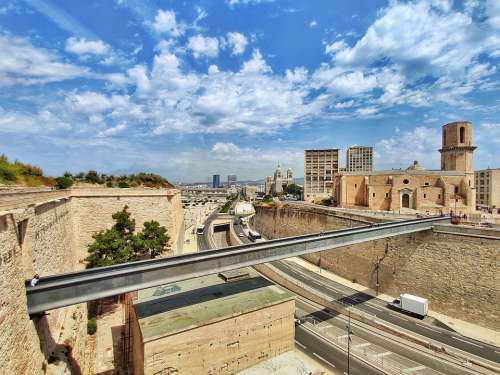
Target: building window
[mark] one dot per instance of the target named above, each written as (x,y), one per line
(462,134)
(456,189)
(387,195)
(439,196)
(355,185)
(426,184)
(373,195)
(405,181)
(425,196)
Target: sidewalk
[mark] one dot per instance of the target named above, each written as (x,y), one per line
(467,329)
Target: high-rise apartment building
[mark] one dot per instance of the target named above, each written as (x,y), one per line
(231,179)
(319,168)
(216,181)
(488,188)
(359,159)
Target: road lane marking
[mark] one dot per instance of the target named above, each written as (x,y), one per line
(324,360)
(429,328)
(362,345)
(301,345)
(410,369)
(398,316)
(468,342)
(382,354)
(372,307)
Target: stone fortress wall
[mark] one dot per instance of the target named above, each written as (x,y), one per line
(457,272)
(48,234)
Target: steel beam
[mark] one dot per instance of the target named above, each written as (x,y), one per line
(71,288)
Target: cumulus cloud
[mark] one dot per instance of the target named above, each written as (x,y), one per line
(256,64)
(23,64)
(110,132)
(237,42)
(313,24)
(202,46)
(165,22)
(334,47)
(421,143)
(82,46)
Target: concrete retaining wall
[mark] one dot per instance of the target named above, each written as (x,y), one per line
(51,237)
(458,273)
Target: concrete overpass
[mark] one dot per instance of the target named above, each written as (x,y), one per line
(76,287)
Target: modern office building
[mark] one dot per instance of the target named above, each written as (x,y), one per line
(488,188)
(319,168)
(359,159)
(216,181)
(231,179)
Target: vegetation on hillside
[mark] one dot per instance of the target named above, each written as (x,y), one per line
(17,173)
(121,244)
(22,174)
(123,181)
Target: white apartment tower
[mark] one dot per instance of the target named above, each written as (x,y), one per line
(319,168)
(359,159)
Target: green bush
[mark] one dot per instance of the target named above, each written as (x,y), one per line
(109,184)
(123,184)
(63,182)
(92,326)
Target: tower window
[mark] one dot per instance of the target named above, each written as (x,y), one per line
(406,181)
(373,195)
(439,196)
(425,196)
(387,195)
(462,134)
(355,185)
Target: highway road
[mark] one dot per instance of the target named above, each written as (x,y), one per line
(329,355)
(378,308)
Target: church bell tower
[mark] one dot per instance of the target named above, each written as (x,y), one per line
(457,152)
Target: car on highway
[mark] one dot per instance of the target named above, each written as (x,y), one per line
(241,235)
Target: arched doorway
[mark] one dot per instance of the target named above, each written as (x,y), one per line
(405,200)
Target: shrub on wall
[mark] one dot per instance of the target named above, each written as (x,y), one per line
(92,326)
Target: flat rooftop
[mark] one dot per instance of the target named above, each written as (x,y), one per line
(172,308)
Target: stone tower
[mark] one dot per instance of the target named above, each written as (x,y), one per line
(457,151)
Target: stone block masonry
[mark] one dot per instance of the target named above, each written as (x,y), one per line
(48,234)
(457,272)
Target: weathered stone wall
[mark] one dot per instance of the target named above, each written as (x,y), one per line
(51,237)
(224,347)
(289,220)
(457,273)
(93,209)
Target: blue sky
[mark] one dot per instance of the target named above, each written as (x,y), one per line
(188,89)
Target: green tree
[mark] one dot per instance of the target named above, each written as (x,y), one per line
(92,177)
(293,189)
(63,182)
(152,241)
(120,244)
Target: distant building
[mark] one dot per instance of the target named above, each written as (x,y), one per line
(216,324)
(249,192)
(231,179)
(276,183)
(216,181)
(488,188)
(359,159)
(319,168)
(448,189)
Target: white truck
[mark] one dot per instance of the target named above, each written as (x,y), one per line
(411,304)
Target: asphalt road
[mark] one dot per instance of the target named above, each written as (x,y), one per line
(378,308)
(328,355)
(203,243)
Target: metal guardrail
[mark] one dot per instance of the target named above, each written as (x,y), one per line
(77,287)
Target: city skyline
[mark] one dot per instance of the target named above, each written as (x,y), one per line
(218,87)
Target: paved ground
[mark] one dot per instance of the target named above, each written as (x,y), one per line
(471,330)
(376,307)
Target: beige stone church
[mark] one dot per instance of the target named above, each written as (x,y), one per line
(449,189)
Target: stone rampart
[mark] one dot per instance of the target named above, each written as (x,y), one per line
(48,234)
(457,272)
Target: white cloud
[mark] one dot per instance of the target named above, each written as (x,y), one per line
(165,22)
(237,42)
(313,24)
(82,46)
(394,151)
(237,2)
(256,64)
(94,102)
(110,132)
(202,46)
(333,48)
(23,64)
(41,122)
